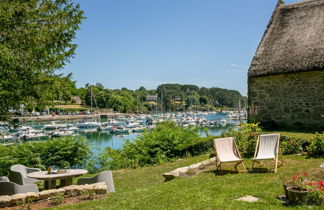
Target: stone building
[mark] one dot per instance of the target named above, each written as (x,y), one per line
(76,100)
(151,98)
(286,76)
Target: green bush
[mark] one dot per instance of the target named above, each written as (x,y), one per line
(161,144)
(203,146)
(60,153)
(316,147)
(245,138)
(291,145)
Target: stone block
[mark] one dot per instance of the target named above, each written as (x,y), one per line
(100,189)
(248,198)
(189,170)
(48,193)
(17,198)
(32,196)
(194,166)
(4,201)
(88,187)
(73,190)
(181,170)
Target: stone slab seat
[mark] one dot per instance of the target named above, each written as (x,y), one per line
(18,174)
(105,176)
(10,188)
(4,179)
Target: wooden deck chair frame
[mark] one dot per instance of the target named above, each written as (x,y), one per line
(277,154)
(219,163)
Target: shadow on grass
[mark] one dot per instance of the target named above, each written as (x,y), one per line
(259,170)
(222,172)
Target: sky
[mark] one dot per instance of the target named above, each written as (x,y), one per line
(134,43)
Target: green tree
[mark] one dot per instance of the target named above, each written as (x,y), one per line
(203,100)
(35,40)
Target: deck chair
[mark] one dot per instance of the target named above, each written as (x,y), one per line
(267,148)
(226,151)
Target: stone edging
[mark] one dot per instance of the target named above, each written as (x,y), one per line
(72,190)
(190,170)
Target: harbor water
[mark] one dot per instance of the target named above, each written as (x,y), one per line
(103,133)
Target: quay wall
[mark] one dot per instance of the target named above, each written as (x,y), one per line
(68,117)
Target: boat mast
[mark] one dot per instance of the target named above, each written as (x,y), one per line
(162,101)
(91,95)
(239,111)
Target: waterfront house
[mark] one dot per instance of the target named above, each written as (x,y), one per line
(286,76)
(151,98)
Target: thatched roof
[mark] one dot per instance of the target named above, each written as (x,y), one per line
(293,40)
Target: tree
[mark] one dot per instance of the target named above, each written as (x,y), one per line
(203,100)
(35,40)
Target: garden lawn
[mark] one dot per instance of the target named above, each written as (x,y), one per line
(144,188)
(295,134)
(72,107)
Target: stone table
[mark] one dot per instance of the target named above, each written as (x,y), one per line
(50,179)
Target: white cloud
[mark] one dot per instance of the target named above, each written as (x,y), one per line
(239,66)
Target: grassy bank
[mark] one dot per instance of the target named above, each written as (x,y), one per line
(295,134)
(144,188)
(72,107)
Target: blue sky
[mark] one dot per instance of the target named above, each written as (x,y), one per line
(133,43)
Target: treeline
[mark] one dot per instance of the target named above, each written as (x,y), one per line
(167,97)
(175,97)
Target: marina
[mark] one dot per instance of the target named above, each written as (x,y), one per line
(113,131)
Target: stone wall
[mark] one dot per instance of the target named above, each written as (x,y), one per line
(288,100)
(68,191)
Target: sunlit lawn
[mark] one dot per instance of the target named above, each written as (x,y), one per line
(144,188)
(72,107)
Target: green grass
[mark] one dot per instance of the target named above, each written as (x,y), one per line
(72,107)
(296,134)
(144,188)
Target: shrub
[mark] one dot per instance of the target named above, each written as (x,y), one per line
(291,145)
(316,147)
(61,153)
(204,145)
(245,138)
(161,144)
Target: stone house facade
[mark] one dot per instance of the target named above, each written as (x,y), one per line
(286,76)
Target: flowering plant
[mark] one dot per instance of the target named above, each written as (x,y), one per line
(319,186)
(316,187)
(298,181)
(313,182)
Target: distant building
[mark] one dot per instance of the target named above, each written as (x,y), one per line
(76,100)
(151,98)
(286,77)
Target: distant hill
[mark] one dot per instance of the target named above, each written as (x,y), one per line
(167,97)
